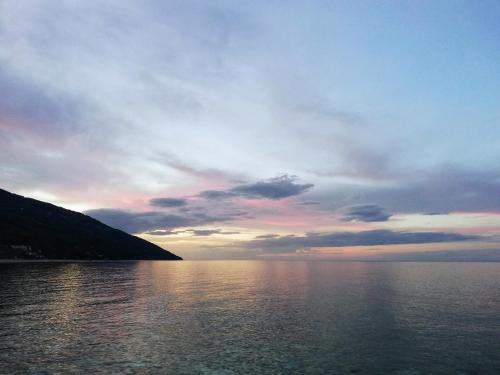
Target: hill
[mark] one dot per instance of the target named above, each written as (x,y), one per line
(31,229)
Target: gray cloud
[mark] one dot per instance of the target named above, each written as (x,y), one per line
(479,255)
(138,222)
(153,221)
(194,232)
(364,212)
(173,161)
(208,232)
(215,194)
(163,232)
(309,203)
(168,202)
(45,112)
(274,188)
(445,189)
(292,243)
(90,73)
(441,190)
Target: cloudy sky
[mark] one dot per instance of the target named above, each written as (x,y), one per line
(231,129)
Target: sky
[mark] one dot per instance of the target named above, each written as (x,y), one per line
(263,129)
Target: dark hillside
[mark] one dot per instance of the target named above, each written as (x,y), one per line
(31,229)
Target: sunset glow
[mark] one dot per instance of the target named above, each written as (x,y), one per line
(231,130)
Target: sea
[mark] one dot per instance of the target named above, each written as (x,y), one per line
(250,317)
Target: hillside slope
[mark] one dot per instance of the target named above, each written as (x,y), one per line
(31,229)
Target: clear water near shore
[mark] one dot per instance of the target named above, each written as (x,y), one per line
(235,317)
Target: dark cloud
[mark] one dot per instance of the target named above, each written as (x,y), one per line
(265,236)
(479,255)
(152,221)
(216,194)
(168,202)
(292,243)
(309,203)
(208,232)
(364,212)
(194,232)
(163,232)
(273,188)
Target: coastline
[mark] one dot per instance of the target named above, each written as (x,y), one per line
(81,260)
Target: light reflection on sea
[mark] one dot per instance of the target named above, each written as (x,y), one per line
(233,317)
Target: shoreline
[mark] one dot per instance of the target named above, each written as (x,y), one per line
(10,261)
(81,260)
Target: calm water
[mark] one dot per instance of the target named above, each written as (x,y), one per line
(237,317)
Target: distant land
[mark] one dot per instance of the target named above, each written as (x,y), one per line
(31,229)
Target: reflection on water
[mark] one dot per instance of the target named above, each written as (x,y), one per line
(238,317)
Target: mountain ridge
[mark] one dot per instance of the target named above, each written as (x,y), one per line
(33,229)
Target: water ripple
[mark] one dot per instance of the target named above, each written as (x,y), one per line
(250,317)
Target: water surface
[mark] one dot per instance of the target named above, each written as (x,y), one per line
(234,317)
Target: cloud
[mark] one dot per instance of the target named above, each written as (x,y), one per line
(215,194)
(169,81)
(173,161)
(292,243)
(309,203)
(478,255)
(163,232)
(442,190)
(265,236)
(194,232)
(274,188)
(138,222)
(91,74)
(168,202)
(208,232)
(29,107)
(154,222)
(364,212)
